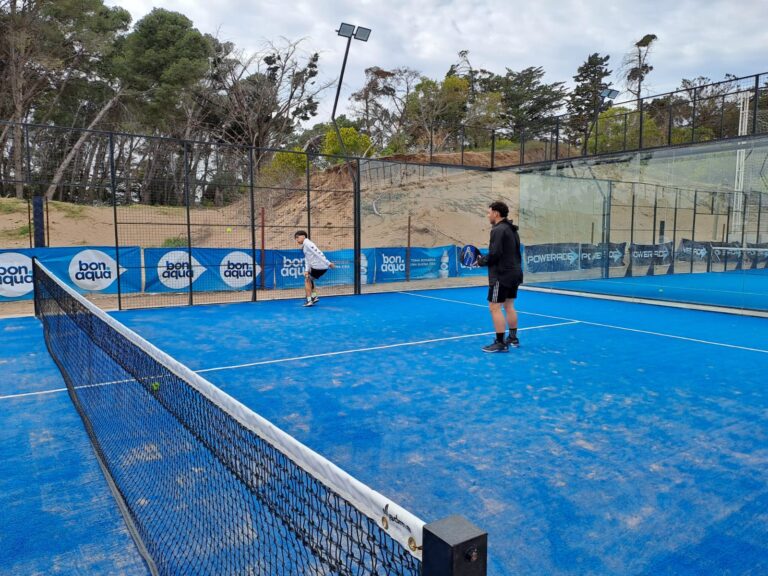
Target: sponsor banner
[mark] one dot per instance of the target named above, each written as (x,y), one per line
(647,254)
(595,255)
(467,270)
(559,257)
(758,254)
(689,250)
(433,263)
(210,269)
(289,268)
(86,269)
(721,252)
(390,265)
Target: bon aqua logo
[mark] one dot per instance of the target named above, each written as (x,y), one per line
(15,275)
(392,264)
(93,270)
(177,269)
(237,269)
(292,267)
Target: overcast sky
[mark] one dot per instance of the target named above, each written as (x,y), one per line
(696,37)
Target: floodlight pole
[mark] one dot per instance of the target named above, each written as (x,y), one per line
(353,174)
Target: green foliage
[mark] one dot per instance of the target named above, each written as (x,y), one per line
(175,242)
(72,211)
(585,99)
(285,167)
(356,144)
(12,206)
(16,233)
(164,55)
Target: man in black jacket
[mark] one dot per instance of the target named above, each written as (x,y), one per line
(505,274)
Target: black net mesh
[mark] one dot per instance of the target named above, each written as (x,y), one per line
(203,493)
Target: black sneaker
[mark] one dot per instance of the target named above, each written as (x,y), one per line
(496,347)
(308,303)
(315,299)
(512,341)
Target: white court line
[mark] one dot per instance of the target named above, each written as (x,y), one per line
(296,358)
(614,327)
(384,347)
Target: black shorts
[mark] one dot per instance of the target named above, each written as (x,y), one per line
(500,293)
(315,273)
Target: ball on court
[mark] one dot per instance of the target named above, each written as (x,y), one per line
(155,386)
(661,289)
(229,229)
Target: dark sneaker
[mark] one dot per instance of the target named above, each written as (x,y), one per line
(315,299)
(496,347)
(308,303)
(512,341)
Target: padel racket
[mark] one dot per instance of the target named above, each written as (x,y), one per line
(469,255)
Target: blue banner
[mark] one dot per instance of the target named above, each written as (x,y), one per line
(469,270)
(433,263)
(390,265)
(552,257)
(86,269)
(647,254)
(289,268)
(210,269)
(596,255)
(689,250)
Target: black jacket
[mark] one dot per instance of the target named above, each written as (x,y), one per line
(504,260)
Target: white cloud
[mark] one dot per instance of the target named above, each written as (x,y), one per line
(696,37)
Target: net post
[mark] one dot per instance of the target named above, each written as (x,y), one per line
(454,546)
(35,302)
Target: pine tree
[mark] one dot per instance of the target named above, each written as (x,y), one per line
(590,80)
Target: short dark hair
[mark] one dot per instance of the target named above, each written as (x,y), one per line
(500,207)
(301,233)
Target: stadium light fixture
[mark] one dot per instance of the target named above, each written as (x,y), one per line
(348,31)
(609,94)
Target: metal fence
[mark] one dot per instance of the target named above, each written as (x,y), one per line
(732,108)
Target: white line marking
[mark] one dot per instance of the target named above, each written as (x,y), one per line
(372,348)
(295,358)
(662,334)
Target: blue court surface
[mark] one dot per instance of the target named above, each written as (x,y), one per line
(746,289)
(619,439)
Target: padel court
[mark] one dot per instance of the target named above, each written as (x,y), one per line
(620,438)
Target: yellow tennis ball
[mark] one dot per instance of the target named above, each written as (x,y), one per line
(229,229)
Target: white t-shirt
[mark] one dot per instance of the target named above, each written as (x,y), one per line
(313,256)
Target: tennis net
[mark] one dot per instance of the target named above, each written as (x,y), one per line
(206,485)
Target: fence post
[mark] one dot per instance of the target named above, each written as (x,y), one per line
(493,148)
(253,225)
(454,546)
(693,225)
(693,117)
(640,130)
(607,232)
(309,199)
(185,167)
(671,269)
(357,225)
(629,271)
(38,220)
(462,144)
(754,111)
(557,138)
(113,184)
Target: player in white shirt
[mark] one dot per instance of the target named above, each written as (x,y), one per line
(316,264)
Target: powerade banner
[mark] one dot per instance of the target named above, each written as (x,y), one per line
(721,252)
(647,254)
(86,269)
(689,250)
(214,269)
(430,263)
(758,254)
(560,257)
(289,268)
(595,255)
